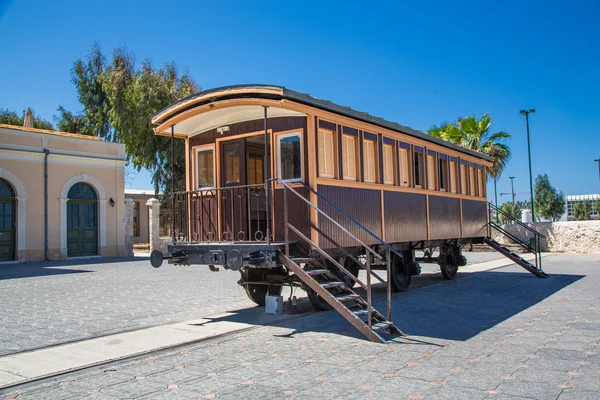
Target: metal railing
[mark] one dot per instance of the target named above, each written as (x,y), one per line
(368,250)
(537,236)
(234,213)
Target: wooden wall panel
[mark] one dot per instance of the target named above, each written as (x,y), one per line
(474,218)
(405,217)
(298,214)
(364,205)
(444,217)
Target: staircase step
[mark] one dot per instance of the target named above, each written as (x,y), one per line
(332,284)
(381,325)
(347,297)
(358,313)
(312,272)
(302,259)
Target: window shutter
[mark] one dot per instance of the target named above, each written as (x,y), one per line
(388,164)
(326,156)
(369,160)
(404,168)
(431,172)
(453,182)
(349,157)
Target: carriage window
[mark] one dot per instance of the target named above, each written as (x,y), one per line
(418,169)
(453,175)
(404,167)
(290,157)
(256,169)
(388,164)
(326,154)
(205,168)
(349,157)
(443,171)
(369,161)
(463,179)
(431,172)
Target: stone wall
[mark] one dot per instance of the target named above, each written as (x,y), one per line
(156,242)
(128,228)
(581,237)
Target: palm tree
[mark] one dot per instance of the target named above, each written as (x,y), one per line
(475,135)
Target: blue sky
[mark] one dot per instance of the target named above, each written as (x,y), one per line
(416,64)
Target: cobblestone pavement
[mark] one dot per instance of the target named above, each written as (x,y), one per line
(56,302)
(502,334)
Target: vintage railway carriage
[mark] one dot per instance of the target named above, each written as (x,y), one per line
(290,189)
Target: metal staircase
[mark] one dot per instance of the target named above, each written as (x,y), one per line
(323,285)
(535,269)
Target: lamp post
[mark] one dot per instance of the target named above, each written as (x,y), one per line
(598,161)
(512,187)
(526,114)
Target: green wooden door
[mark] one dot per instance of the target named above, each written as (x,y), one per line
(82,217)
(7,222)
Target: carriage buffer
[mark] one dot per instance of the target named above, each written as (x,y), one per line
(290,190)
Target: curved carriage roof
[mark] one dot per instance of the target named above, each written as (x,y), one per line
(275,92)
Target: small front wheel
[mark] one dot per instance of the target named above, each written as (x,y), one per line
(156,258)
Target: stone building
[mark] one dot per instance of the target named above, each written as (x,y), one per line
(141,228)
(61,195)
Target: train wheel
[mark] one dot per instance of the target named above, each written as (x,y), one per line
(400,279)
(351,266)
(448,267)
(317,301)
(258,292)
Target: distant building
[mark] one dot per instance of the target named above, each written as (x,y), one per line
(61,195)
(141,233)
(569,214)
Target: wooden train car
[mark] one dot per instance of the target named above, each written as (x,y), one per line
(293,190)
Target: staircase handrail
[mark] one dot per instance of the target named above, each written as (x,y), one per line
(355,222)
(513,219)
(513,237)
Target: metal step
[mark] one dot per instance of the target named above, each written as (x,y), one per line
(346,297)
(332,284)
(313,272)
(381,325)
(298,260)
(515,258)
(379,322)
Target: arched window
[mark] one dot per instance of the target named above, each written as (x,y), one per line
(81,191)
(5,189)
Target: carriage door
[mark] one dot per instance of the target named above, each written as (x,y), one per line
(82,238)
(233,197)
(7,222)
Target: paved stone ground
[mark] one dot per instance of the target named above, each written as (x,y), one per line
(502,334)
(56,302)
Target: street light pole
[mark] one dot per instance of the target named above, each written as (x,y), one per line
(598,161)
(512,187)
(526,114)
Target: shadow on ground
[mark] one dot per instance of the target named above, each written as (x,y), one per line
(60,267)
(451,310)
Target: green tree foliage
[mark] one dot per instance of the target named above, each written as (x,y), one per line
(597,207)
(69,122)
(582,210)
(12,118)
(549,203)
(119,99)
(513,210)
(475,134)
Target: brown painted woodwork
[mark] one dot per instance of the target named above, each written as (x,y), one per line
(234,202)
(298,214)
(405,217)
(474,218)
(363,205)
(444,217)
